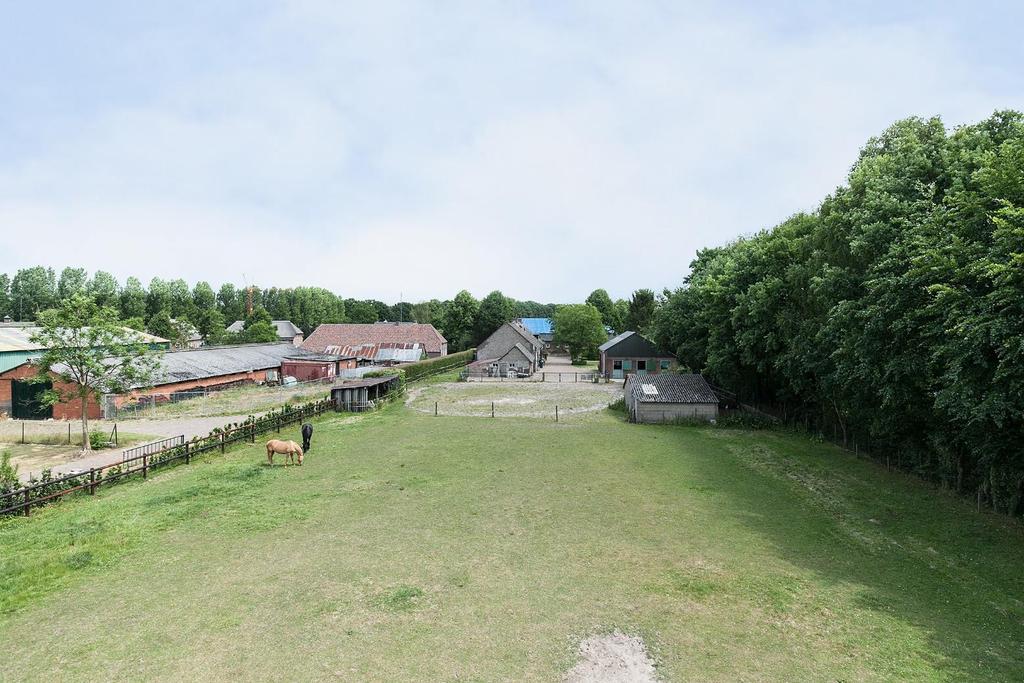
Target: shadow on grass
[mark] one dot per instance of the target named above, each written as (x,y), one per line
(917,555)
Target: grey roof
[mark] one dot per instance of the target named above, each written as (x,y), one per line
(614,340)
(527,335)
(15,337)
(398,355)
(522,349)
(670,388)
(286,329)
(214,361)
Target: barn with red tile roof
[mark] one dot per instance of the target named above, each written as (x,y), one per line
(353,334)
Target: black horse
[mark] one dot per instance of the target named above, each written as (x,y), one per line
(307,437)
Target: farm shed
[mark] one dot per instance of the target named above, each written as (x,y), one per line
(352,334)
(180,372)
(315,366)
(286,330)
(356,396)
(16,347)
(632,353)
(669,397)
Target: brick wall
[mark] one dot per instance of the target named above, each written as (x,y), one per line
(64,410)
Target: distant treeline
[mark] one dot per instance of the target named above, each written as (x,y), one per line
(893,316)
(164,305)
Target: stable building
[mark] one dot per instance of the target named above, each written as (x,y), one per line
(669,398)
(181,374)
(632,353)
(510,348)
(423,336)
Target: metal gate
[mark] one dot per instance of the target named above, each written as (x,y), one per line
(27,400)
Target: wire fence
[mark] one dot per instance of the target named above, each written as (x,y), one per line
(50,433)
(542,376)
(174,450)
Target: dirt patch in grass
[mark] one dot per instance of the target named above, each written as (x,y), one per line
(613,658)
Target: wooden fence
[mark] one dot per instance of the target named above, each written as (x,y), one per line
(176,450)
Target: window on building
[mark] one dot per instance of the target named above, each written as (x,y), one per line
(641,365)
(665,364)
(617,365)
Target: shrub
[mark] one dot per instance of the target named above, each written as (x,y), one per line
(8,474)
(433,366)
(98,440)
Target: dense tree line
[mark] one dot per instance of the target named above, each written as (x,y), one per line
(170,308)
(892,316)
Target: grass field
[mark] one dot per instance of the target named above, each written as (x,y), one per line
(410,547)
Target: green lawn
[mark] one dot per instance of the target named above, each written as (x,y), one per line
(410,547)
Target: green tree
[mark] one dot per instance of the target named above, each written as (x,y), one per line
(600,300)
(91,352)
(458,320)
(158,298)
(72,281)
(580,328)
(203,298)
(360,311)
(5,296)
(259,328)
(104,289)
(133,299)
(494,311)
(641,311)
(32,290)
(162,325)
(620,312)
(230,301)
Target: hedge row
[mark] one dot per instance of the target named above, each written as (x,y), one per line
(433,366)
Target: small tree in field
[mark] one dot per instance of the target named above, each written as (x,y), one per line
(580,328)
(91,352)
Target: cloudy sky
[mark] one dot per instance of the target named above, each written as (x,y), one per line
(542,148)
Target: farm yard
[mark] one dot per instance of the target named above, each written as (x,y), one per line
(409,547)
(514,398)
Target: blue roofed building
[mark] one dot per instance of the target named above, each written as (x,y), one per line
(542,328)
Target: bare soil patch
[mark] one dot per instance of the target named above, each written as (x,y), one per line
(613,658)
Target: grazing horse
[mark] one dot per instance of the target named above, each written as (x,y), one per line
(289,448)
(307,437)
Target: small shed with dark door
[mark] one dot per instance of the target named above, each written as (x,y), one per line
(358,395)
(669,397)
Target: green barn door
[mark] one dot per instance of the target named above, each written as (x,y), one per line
(26,401)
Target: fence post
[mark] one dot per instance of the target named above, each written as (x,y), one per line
(277,422)
(23,432)
(222,443)
(145,464)
(188,456)
(252,433)
(69,434)
(92,481)
(435,408)
(28,503)
(492,408)
(556,412)
(115,435)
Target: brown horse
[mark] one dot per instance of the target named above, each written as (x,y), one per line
(288,448)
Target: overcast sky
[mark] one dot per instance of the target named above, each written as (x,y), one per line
(544,149)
